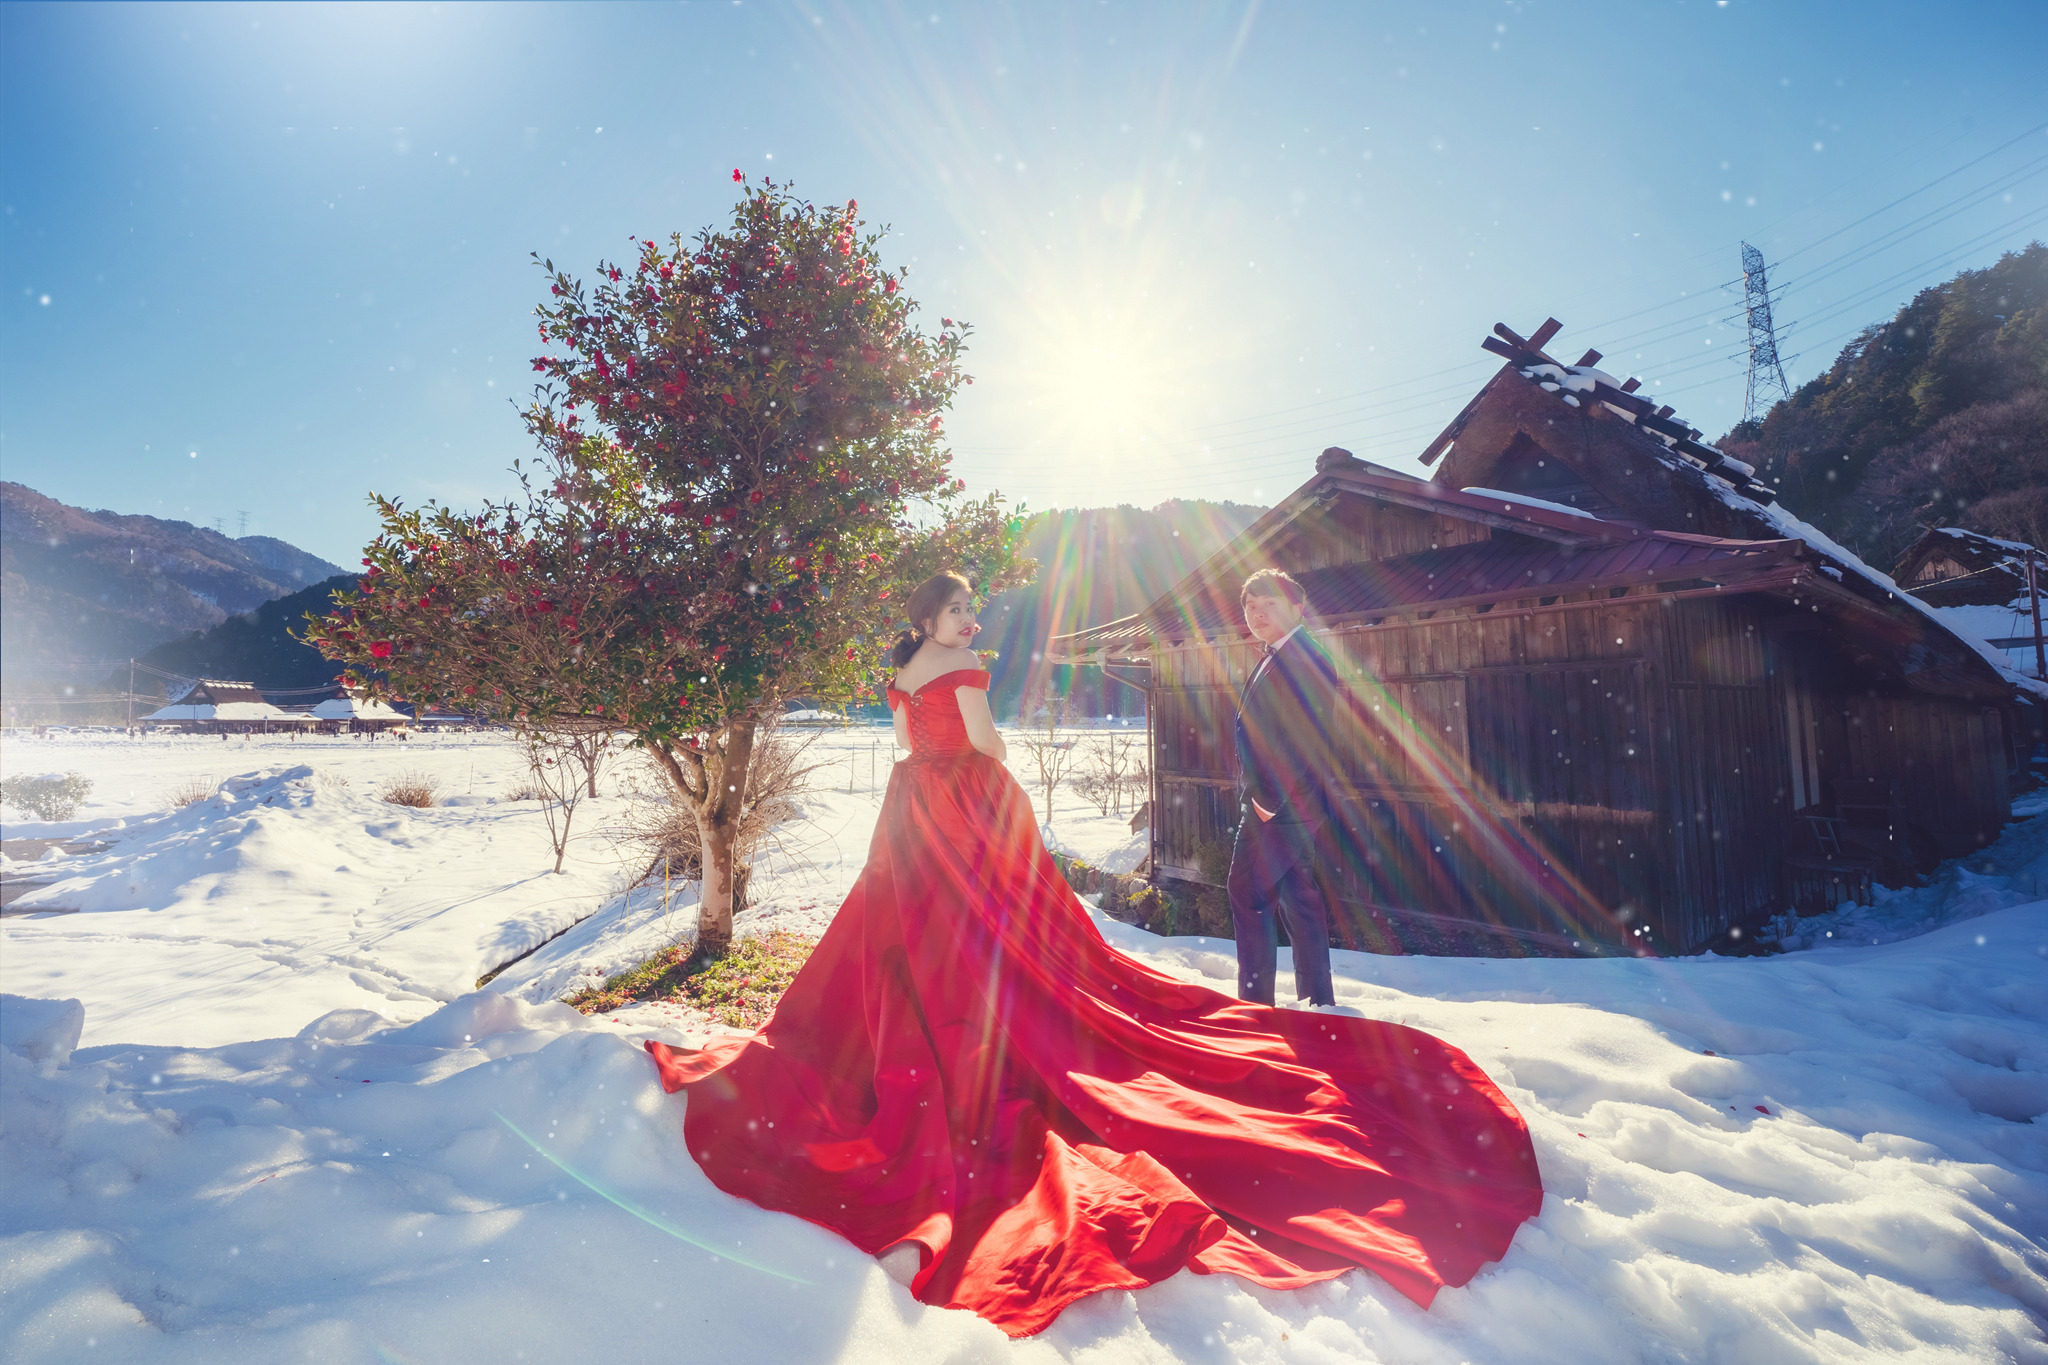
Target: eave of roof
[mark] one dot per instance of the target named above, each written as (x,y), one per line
(1444,579)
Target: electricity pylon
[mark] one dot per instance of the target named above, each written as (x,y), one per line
(1766,370)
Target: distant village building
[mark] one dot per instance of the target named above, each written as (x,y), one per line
(212,706)
(351,714)
(1951,567)
(1977,585)
(1607,696)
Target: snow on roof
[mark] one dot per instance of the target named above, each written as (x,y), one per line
(227,710)
(352,708)
(2017,546)
(1527,501)
(1682,448)
(1792,526)
(218,691)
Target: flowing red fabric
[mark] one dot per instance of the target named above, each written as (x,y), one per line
(966,1065)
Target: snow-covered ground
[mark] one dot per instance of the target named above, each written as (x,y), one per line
(292,1130)
(295,889)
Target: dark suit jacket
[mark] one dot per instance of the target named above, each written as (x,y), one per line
(1286,736)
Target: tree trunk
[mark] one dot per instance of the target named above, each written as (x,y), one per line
(711,782)
(715,845)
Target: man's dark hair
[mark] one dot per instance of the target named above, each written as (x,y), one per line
(1273,583)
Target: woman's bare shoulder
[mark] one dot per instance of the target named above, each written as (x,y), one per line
(934,661)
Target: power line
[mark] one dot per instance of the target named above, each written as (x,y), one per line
(1949,175)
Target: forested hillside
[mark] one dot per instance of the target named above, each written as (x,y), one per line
(260,646)
(79,587)
(1938,417)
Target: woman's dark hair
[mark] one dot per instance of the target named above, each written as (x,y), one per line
(926,601)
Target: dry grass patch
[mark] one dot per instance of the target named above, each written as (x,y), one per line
(189,793)
(412,788)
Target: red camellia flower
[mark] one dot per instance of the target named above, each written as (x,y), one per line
(381,650)
(736,176)
(730,401)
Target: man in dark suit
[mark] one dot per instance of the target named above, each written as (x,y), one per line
(1286,775)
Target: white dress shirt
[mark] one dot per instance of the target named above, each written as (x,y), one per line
(1271,650)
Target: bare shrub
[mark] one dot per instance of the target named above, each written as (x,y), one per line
(554,759)
(1106,768)
(189,793)
(528,790)
(776,777)
(1046,742)
(412,788)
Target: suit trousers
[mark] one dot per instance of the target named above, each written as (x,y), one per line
(1272,881)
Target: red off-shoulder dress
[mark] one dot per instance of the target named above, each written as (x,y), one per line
(964,1064)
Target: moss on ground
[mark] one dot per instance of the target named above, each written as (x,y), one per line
(740,989)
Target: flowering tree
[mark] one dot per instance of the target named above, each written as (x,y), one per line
(741,468)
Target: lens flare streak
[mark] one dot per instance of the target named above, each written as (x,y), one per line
(646,1216)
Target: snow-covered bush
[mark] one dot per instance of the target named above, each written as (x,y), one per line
(49,796)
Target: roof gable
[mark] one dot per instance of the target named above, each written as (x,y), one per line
(1949,566)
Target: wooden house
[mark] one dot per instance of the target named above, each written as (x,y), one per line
(213,706)
(1951,567)
(1604,694)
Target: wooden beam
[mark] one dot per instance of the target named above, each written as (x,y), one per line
(1759,571)
(1513,338)
(1591,357)
(1507,351)
(1623,399)
(1144,688)
(1632,385)
(1542,335)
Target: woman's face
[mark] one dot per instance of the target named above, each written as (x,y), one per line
(954,626)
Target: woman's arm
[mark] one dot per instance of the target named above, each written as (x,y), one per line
(981,723)
(900,718)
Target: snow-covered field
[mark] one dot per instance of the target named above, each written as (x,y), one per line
(292,1128)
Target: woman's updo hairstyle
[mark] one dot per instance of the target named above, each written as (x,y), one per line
(926,601)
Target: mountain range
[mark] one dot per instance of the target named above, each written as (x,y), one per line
(82,589)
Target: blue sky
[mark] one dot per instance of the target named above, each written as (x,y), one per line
(264,259)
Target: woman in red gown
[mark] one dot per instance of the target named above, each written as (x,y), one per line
(966,1072)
